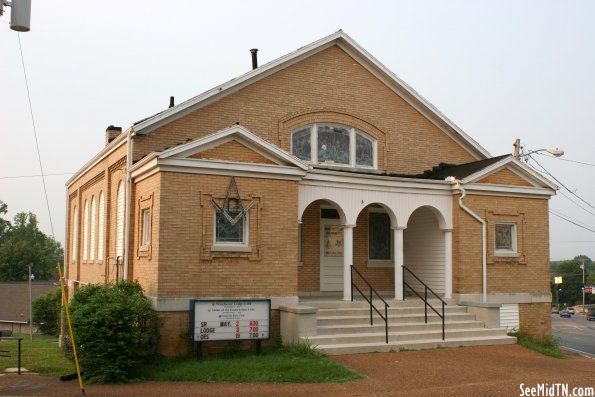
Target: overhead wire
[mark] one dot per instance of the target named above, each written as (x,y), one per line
(561,183)
(574,223)
(45,191)
(569,160)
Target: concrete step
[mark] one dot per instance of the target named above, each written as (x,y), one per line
(397,327)
(353,348)
(405,318)
(334,304)
(392,311)
(379,337)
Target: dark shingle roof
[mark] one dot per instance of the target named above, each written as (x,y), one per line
(462,170)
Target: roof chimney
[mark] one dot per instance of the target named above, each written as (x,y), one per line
(254,58)
(171,101)
(112,133)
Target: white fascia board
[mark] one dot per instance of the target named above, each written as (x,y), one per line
(374,182)
(216,166)
(526,191)
(106,151)
(260,145)
(524,171)
(353,49)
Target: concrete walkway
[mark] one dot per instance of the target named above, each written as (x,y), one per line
(470,371)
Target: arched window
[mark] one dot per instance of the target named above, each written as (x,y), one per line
(120,223)
(100,232)
(75,233)
(85,231)
(334,144)
(93,242)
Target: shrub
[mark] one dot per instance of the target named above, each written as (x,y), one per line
(115,330)
(46,312)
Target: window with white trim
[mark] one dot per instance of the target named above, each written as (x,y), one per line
(379,236)
(75,233)
(85,231)
(334,144)
(228,233)
(100,231)
(505,236)
(120,222)
(93,242)
(145,239)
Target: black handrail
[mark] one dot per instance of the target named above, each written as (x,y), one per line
(386,305)
(425,297)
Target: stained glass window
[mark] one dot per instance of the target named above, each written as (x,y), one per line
(379,236)
(333,144)
(226,232)
(505,237)
(301,144)
(364,151)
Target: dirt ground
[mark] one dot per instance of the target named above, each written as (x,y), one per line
(472,371)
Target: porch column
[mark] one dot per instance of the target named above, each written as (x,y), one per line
(398,261)
(447,263)
(347,260)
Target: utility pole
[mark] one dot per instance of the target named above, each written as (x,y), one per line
(31,276)
(583,267)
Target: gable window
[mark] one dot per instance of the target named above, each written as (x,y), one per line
(379,236)
(505,238)
(145,239)
(334,144)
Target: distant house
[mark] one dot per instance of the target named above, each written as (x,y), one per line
(14,298)
(273,184)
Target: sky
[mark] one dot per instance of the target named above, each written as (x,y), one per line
(500,70)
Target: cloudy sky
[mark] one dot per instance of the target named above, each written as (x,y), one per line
(500,70)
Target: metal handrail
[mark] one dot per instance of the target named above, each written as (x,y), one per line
(425,297)
(370,301)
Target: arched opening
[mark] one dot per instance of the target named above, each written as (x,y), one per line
(320,252)
(423,249)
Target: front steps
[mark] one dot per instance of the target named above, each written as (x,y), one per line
(344,327)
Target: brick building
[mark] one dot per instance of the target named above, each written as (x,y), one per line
(273,184)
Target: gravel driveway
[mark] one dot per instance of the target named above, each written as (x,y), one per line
(470,371)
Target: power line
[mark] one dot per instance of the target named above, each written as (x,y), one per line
(568,220)
(35,175)
(569,217)
(45,191)
(577,204)
(563,185)
(570,161)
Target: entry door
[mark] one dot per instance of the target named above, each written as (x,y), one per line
(331,255)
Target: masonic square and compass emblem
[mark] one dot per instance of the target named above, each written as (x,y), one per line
(232,209)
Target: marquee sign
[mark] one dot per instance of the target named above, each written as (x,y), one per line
(225,320)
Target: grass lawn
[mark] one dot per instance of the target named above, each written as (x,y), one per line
(298,364)
(42,355)
(548,346)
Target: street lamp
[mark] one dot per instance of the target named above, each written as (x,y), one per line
(31,277)
(518,155)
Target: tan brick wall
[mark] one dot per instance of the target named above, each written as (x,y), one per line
(233,151)
(144,263)
(188,267)
(328,86)
(535,319)
(102,177)
(504,177)
(529,272)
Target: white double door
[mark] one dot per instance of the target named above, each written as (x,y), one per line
(331,255)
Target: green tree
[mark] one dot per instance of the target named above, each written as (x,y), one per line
(22,244)
(4,224)
(46,312)
(570,291)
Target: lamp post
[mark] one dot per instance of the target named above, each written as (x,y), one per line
(583,267)
(554,152)
(31,277)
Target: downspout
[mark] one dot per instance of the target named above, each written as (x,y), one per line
(484,269)
(128,202)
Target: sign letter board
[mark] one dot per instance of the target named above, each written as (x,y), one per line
(233,319)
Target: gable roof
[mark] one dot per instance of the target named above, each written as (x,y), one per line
(240,134)
(475,171)
(358,53)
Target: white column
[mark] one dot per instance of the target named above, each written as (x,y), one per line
(447,263)
(398,261)
(347,260)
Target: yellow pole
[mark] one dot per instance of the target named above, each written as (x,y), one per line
(65,301)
